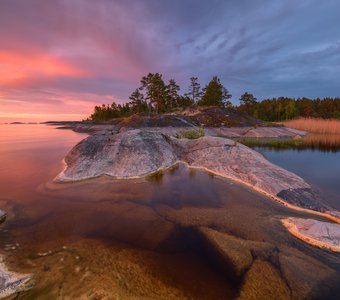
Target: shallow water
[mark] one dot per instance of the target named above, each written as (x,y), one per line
(119,239)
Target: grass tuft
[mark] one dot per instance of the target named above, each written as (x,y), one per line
(273,143)
(191,134)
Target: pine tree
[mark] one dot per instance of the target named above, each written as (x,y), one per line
(155,89)
(194,90)
(248,99)
(172,94)
(137,101)
(215,94)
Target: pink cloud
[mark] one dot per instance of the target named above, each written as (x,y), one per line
(64,57)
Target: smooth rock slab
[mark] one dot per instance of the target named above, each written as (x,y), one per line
(129,154)
(138,153)
(317,233)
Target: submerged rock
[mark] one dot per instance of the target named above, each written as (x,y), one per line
(267,271)
(307,277)
(234,252)
(263,281)
(138,153)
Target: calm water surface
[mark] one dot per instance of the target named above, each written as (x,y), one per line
(321,169)
(128,238)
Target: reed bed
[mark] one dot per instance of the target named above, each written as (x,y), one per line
(320,126)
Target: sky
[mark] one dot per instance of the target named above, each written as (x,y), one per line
(60,58)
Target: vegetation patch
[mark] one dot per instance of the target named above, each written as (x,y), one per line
(191,134)
(275,143)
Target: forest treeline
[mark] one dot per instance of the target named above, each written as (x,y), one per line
(154,95)
(283,108)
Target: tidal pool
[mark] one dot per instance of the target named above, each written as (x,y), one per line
(109,239)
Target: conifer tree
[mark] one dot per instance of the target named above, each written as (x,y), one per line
(215,94)
(195,92)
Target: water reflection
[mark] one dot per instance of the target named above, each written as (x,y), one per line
(319,168)
(322,142)
(318,142)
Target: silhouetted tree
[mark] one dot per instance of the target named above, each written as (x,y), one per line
(172,94)
(248,99)
(184,101)
(137,102)
(214,93)
(195,92)
(155,89)
(248,102)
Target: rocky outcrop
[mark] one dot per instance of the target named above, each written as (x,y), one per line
(317,233)
(255,132)
(138,153)
(10,282)
(130,154)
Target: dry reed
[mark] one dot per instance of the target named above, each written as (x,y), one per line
(321,126)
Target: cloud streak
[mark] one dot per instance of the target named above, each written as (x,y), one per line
(96,51)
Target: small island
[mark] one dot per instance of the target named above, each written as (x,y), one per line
(147,137)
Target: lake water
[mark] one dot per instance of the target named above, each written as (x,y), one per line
(319,168)
(125,239)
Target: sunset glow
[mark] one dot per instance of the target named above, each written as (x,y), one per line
(59,58)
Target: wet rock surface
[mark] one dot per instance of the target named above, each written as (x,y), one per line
(263,281)
(303,197)
(11,282)
(265,271)
(322,234)
(140,152)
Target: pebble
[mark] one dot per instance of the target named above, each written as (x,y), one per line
(44,253)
